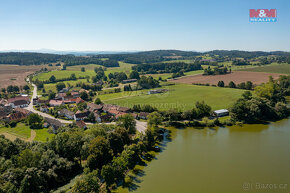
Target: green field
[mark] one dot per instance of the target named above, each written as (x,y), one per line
(124,67)
(180,96)
(21,130)
(42,135)
(272,68)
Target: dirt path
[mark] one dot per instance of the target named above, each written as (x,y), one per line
(32,136)
(10,136)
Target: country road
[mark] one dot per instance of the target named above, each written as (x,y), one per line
(140,126)
(30,107)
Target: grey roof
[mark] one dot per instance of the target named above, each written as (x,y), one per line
(221,111)
(67,112)
(53,122)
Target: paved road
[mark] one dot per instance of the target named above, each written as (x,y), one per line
(30,107)
(140,126)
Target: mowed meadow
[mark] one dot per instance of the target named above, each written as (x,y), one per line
(89,71)
(273,68)
(179,96)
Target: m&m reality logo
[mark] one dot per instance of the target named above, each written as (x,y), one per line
(263,15)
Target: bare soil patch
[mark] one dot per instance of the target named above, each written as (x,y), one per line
(15,75)
(236,76)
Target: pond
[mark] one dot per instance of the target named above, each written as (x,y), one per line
(251,158)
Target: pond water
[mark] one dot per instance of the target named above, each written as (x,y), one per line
(251,158)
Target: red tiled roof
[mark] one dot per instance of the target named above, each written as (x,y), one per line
(55,102)
(78,100)
(18,98)
(24,111)
(81,124)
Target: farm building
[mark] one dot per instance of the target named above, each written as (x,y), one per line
(129,81)
(19,101)
(221,112)
(157,91)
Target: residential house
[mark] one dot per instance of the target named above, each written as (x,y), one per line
(54,103)
(66,113)
(98,117)
(61,95)
(24,111)
(77,100)
(44,108)
(81,124)
(79,115)
(40,102)
(55,124)
(19,101)
(124,109)
(37,101)
(84,90)
(116,113)
(94,107)
(75,94)
(68,100)
(143,115)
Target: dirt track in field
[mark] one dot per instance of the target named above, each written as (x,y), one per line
(236,76)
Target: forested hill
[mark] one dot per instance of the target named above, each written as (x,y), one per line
(146,57)
(246,54)
(150,56)
(28,58)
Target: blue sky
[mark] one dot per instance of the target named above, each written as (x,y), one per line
(123,25)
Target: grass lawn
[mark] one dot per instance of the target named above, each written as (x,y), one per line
(21,130)
(179,96)
(42,135)
(272,68)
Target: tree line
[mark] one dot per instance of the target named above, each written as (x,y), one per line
(173,67)
(109,152)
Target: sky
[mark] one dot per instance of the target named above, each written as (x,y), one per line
(132,25)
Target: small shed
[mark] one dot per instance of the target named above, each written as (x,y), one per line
(221,112)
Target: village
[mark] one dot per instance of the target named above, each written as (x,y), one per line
(66,107)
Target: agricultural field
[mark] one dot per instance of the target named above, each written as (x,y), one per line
(273,68)
(16,75)
(21,131)
(236,76)
(124,67)
(179,96)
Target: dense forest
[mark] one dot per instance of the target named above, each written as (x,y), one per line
(108,152)
(19,58)
(150,56)
(172,67)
